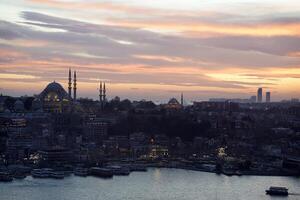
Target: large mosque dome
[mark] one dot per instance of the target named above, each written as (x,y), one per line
(54,92)
(54,98)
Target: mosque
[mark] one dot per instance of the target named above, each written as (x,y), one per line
(55,99)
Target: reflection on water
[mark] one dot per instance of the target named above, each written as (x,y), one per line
(156,184)
(156,175)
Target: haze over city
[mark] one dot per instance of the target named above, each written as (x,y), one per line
(152,49)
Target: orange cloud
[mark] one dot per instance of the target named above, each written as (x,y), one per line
(11,54)
(196,29)
(294,54)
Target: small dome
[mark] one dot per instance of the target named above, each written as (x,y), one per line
(7,111)
(19,105)
(36,104)
(173,101)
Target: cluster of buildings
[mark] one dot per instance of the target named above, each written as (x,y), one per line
(57,128)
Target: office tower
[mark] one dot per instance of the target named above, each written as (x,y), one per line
(259,95)
(268,97)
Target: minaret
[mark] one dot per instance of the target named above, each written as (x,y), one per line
(182,99)
(104,94)
(70,84)
(100,92)
(74,87)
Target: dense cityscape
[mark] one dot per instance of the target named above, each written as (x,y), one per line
(59,131)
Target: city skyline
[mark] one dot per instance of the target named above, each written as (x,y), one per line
(152,51)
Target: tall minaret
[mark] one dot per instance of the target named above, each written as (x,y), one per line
(74,87)
(182,99)
(104,94)
(100,92)
(70,84)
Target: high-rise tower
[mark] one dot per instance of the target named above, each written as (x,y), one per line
(259,95)
(70,84)
(268,97)
(75,87)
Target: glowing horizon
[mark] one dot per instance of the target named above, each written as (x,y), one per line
(156,50)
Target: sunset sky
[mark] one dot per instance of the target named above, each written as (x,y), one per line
(152,49)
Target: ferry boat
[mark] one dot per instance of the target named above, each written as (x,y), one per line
(278,191)
(19,175)
(5,177)
(57,175)
(41,173)
(120,170)
(138,168)
(102,172)
(81,172)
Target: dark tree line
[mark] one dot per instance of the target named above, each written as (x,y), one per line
(183,126)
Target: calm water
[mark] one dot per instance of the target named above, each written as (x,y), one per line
(156,184)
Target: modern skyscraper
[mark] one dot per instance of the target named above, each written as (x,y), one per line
(259,95)
(268,97)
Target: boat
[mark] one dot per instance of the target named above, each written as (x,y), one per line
(277,191)
(5,177)
(102,172)
(81,172)
(138,168)
(19,176)
(57,175)
(41,173)
(120,170)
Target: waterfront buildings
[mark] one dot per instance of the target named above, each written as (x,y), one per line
(58,128)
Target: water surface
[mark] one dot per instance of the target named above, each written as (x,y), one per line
(156,184)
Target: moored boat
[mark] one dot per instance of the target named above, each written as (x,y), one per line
(41,173)
(138,168)
(19,176)
(57,175)
(5,177)
(120,170)
(81,172)
(102,172)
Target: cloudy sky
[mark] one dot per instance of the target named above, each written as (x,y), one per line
(152,49)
